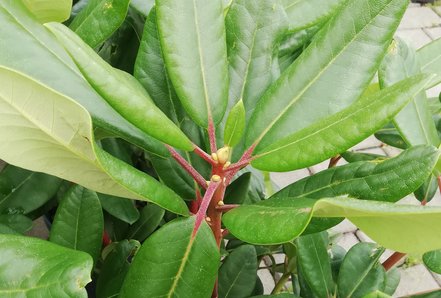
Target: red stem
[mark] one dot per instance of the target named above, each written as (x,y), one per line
(226,208)
(212,136)
(393,260)
(201,215)
(204,155)
(186,166)
(333,161)
(243,162)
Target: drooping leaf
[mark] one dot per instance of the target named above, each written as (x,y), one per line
(79,223)
(337,133)
(34,267)
(192,34)
(151,72)
(49,10)
(27,190)
(390,136)
(414,122)
(121,90)
(173,262)
(115,267)
(392,226)
(16,222)
(432,260)
(315,264)
(149,219)
(361,272)
(237,273)
(59,133)
(316,84)
(23,37)
(99,19)
(121,208)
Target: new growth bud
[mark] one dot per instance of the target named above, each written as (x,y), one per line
(223,154)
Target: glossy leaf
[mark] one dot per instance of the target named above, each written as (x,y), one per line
(429,57)
(27,190)
(121,91)
(235,125)
(79,223)
(121,208)
(361,272)
(427,190)
(379,180)
(339,132)
(383,222)
(237,273)
(390,136)
(350,156)
(59,133)
(253,28)
(24,37)
(49,10)
(192,34)
(149,219)
(316,84)
(99,19)
(414,122)
(313,258)
(34,267)
(432,260)
(151,72)
(115,267)
(16,222)
(172,262)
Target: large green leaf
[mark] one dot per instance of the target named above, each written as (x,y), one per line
(58,131)
(151,72)
(149,219)
(99,19)
(32,267)
(313,258)
(429,57)
(115,267)
(379,180)
(23,37)
(27,190)
(337,133)
(79,223)
(192,34)
(361,272)
(237,273)
(121,208)
(49,10)
(323,81)
(414,122)
(174,263)
(432,260)
(121,90)
(392,226)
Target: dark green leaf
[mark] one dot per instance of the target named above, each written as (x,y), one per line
(237,274)
(173,262)
(390,136)
(432,260)
(361,272)
(350,156)
(427,190)
(150,217)
(337,254)
(237,191)
(16,222)
(79,223)
(121,208)
(34,268)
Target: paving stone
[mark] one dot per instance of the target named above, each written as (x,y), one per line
(391,151)
(284,179)
(437,277)
(434,91)
(415,279)
(415,37)
(320,167)
(419,17)
(347,240)
(436,201)
(344,227)
(267,280)
(409,200)
(434,33)
(437,10)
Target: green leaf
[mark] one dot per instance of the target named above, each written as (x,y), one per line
(78,222)
(337,133)
(390,136)
(361,272)
(414,121)
(237,191)
(432,260)
(24,37)
(121,208)
(379,180)
(377,294)
(99,19)
(393,277)
(174,263)
(316,84)
(427,190)
(149,219)
(361,156)
(28,190)
(434,294)
(59,133)
(237,273)
(315,264)
(253,29)
(151,72)
(16,222)
(49,10)
(192,34)
(121,90)
(115,267)
(429,57)
(32,267)
(235,125)
(392,226)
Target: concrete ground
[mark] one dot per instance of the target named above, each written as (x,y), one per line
(420,25)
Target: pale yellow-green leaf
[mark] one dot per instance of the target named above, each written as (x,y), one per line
(49,10)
